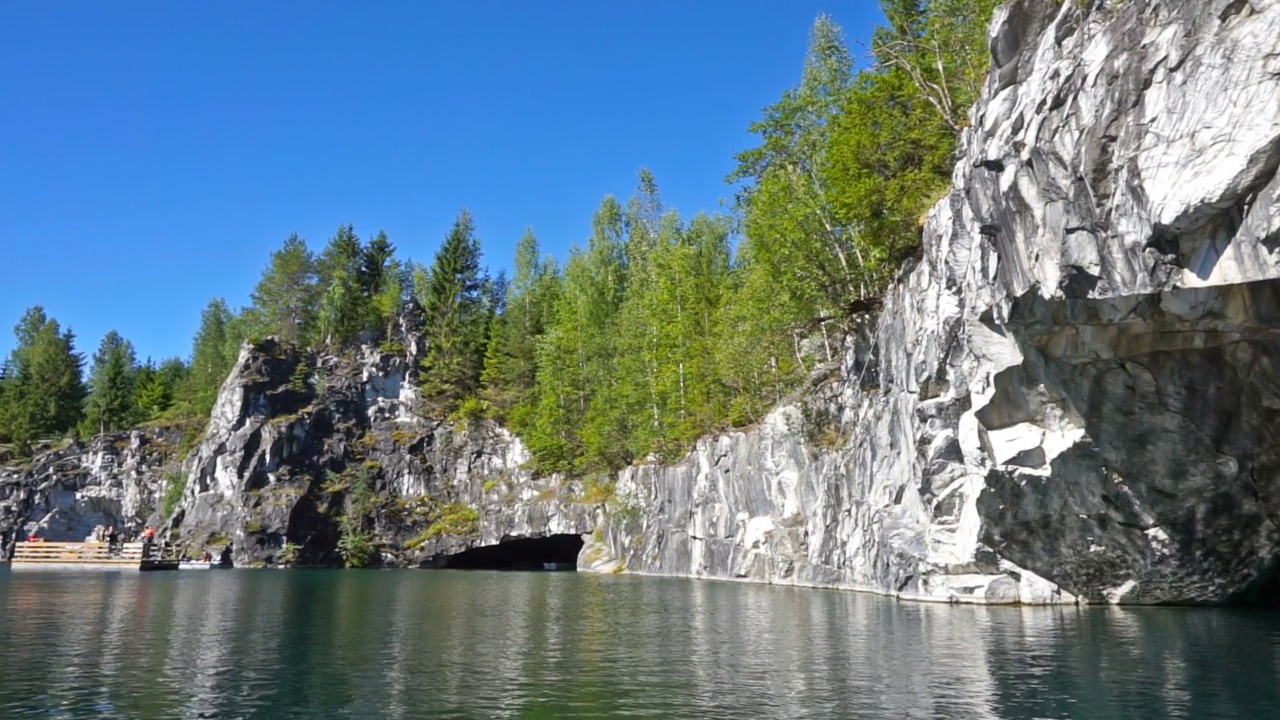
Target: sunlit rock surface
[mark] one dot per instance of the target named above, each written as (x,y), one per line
(1073,395)
(1070,396)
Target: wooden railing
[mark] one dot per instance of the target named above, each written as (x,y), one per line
(94,553)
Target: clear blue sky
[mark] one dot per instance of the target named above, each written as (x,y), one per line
(153,154)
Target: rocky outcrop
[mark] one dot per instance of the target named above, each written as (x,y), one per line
(1069,397)
(1072,395)
(293,436)
(112,480)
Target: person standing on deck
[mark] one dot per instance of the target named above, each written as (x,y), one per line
(148,537)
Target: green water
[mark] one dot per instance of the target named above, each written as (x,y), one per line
(406,644)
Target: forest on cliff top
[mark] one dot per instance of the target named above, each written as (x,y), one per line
(660,330)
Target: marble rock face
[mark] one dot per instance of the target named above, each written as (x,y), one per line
(1073,395)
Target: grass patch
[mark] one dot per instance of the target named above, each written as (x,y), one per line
(175,485)
(452,519)
(598,490)
(404,437)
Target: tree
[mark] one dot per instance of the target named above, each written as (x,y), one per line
(156,388)
(339,311)
(941,46)
(111,385)
(214,351)
(510,369)
(389,300)
(382,284)
(286,294)
(454,312)
(44,386)
(342,253)
(787,201)
(577,357)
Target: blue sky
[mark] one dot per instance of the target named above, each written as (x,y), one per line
(153,154)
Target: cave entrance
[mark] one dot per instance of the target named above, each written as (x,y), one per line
(554,552)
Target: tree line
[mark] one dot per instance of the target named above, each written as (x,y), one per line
(658,330)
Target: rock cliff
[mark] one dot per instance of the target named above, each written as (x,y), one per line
(1069,396)
(1072,395)
(294,433)
(66,491)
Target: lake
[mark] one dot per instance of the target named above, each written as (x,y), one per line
(458,644)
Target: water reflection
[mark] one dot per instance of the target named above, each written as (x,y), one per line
(508,645)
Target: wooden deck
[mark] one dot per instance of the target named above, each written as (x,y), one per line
(31,555)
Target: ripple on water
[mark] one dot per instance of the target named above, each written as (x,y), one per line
(451,644)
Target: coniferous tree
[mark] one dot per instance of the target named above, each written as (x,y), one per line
(156,388)
(339,307)
(285,296)
(44,384)
(214,351)
(382,291)
(578,356)
(342,253)
(453,307)
(510,370)
(111,385)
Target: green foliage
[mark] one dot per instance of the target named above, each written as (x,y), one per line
(509,378)
(848,161)
(599,489)
(156,388)
(213,353)
(111,382)
(451,519)
(285,296)
(334,483)
(659,330)
(175,485)
(300,379)
(456,318)
(356,544)
(43,391)
(288,554)
(470,412)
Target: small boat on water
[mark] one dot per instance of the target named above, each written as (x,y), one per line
(559,566)
(201,565)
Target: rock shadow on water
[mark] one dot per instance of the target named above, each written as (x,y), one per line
(552,552)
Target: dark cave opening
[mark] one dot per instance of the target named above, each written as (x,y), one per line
(553,552)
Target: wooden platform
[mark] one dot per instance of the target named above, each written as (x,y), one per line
(86,555)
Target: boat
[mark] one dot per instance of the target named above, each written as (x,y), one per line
(42,555)
(201,565)
(559,566)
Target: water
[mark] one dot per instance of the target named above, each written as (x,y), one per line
(299,644)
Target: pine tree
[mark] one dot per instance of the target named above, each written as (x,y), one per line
(156,388)
(454,312)
(381,286)
(510,370)
(214,351)
(45,391)
(286,294)
(339,310)
(342,253)
(111,385)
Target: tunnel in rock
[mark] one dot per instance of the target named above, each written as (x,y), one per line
(560,551)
